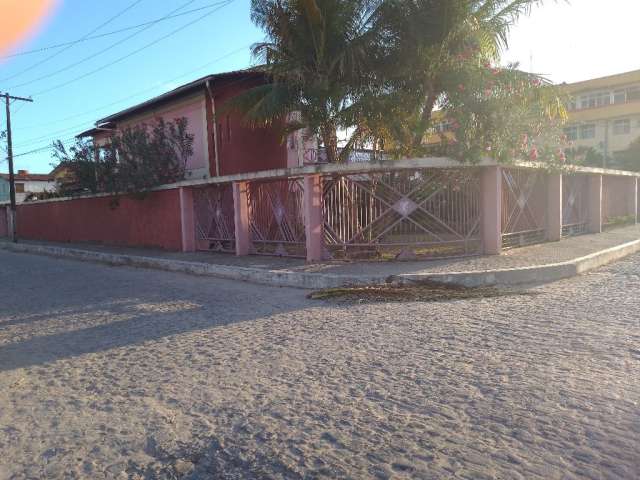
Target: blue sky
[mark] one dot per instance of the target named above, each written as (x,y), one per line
(218,42)
(567,42)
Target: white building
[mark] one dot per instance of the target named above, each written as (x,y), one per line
(27,183)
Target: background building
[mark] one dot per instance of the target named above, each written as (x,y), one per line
(604,113)
(26,183)
(4,190)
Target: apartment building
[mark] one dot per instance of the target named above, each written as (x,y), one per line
(604,113)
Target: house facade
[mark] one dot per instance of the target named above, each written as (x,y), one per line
(223,143)
(604,113)
(4,190)
(26,183)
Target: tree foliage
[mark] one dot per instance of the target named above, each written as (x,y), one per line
(379,69)
(133,160)
(629,159)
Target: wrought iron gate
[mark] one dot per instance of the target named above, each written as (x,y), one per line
(402,214)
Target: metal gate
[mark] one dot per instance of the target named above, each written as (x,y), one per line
(214,218)
(402,214)
(524,205)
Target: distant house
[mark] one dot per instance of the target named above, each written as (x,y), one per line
(4,190)
(27,183)
(223,143)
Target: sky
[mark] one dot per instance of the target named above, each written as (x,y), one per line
(74,86)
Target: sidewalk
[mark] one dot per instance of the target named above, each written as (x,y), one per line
(537,263)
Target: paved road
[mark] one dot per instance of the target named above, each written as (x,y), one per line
(121,373)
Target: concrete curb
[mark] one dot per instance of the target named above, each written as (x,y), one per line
(550,272)
(278,278)
(316,281)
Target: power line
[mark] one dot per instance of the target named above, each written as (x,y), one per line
(107,34)
(42,149)
(103,24)
(142,92)
(91,57)
(144,47)
(48,136)
(37,150)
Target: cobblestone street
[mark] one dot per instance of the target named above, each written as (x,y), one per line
(114,372)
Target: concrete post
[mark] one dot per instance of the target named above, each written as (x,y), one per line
(633,198)
(554,207)
(313,218)
(241,217)
(491,210)
(187,220)
(594,223)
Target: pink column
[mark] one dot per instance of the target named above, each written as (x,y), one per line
(241,217)
(187,220)
(554,206)
(595,204)
(313,217)
(491,210)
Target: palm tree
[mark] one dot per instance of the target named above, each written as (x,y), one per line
(433,47)
(377,68)
(316,57)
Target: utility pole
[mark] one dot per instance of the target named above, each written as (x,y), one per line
(12,185)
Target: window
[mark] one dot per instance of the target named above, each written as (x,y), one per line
(571,133)
(597,99)
(619,96)
(622,127)
(443,126)
(572,105)
(19,187)
(587,131)
(633,94)
(587,102)
(603,98)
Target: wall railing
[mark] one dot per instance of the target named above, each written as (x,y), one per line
(406,209)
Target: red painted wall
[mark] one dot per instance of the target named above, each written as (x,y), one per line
(151,222)
(242,148)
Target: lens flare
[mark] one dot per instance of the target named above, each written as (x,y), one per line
(21,19)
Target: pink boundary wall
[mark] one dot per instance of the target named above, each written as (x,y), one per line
(154,221)
(166,218)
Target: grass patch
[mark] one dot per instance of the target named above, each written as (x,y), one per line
(419,292)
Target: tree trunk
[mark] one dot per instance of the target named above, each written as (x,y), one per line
(330,140)
(425,119)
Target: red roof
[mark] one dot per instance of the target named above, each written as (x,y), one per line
(29,177)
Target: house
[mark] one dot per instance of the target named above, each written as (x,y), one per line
(4,190)
(28,183)
(604,113)
(223,143)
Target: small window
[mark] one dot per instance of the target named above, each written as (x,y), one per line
(602,99)
(19,187)
(586,101)
(633,94)
(587,131)
(622,127)
(571,133)
(619,96)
